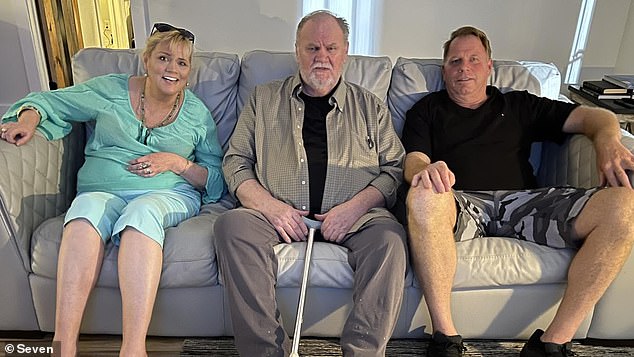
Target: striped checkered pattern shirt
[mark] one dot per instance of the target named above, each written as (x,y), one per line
(363,148)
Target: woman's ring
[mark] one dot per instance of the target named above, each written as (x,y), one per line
(4,130)
(144,165)
(148,171)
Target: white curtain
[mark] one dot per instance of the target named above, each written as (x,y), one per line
(361,16)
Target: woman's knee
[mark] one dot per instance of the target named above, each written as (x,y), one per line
(82,228)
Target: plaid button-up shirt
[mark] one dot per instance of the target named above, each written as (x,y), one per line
(363,148)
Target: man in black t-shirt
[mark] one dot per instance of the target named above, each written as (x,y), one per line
(467,166)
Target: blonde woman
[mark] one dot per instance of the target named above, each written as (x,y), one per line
(152,158)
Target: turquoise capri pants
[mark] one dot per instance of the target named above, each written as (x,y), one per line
(147,211)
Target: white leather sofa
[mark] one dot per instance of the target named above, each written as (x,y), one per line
(504,288)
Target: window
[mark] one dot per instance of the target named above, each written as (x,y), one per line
(580,41)
(361,15)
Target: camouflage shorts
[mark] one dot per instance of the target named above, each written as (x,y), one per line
(544,216)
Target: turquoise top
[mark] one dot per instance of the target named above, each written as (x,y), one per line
(113,141)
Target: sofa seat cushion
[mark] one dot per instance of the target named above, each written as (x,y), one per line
(488,262)
(329,266)
(189,257)
(494,262)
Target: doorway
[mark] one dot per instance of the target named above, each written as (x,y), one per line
(70,25)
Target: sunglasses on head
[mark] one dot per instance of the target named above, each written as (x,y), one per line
(163,27)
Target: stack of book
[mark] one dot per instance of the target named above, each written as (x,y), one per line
(605,89)
(614,92)
(622,80)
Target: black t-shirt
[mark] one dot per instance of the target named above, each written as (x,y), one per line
(486,148)
(316,145)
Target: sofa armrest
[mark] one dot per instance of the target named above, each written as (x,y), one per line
(573,162)
(38,182)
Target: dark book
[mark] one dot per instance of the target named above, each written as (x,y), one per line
(622,80)
(610,104)
(604,87)
(599,95)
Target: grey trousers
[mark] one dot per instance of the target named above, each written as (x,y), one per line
(377,255)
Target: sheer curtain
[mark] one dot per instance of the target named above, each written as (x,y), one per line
(361,15)
(580,41)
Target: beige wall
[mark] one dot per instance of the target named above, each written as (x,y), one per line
(20,72)
(625,60)
(536,30)
(532,30)
(609,39)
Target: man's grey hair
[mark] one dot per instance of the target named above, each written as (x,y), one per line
(343,24)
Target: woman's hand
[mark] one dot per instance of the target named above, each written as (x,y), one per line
(20,132)
(157,163)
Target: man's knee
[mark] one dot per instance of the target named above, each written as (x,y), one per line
(612,202)
(226,221)
(389,242)
(227,225)
(612,208)
(424,206)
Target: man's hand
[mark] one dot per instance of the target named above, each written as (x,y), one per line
(613,159)
(602,127)
(436,176)
(338,221)
(286,220)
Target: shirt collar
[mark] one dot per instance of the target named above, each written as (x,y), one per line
(337,98)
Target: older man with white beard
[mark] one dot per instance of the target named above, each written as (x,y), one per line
(313,145)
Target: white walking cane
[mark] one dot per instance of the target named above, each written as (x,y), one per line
(312,227)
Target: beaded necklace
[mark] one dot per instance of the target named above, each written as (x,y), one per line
(163,122)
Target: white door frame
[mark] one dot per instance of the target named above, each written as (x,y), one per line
(31,44)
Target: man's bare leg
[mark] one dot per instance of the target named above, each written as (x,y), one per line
(431,218)
(606,222)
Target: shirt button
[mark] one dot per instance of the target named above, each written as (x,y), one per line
(304,208)
(301,160)
(303,182)
(300,109)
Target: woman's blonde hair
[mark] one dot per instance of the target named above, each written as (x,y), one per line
(174,38)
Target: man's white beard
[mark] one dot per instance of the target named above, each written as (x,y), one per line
(320,84)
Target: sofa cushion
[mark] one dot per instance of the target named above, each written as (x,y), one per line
(329,266)
(496,262)
(490,262)
(259,66)
(213,78)
(189,256)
